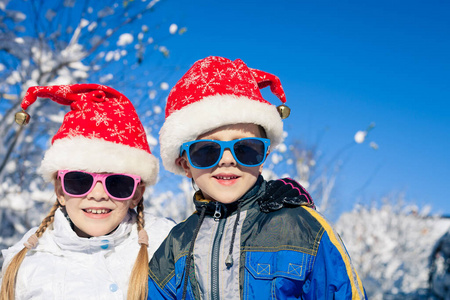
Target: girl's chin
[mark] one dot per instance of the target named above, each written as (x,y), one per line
(98,231)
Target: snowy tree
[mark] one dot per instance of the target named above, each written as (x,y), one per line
(390,245)
(116,43)
(314,170)
(304,164)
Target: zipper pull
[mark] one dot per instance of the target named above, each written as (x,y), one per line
(217,213)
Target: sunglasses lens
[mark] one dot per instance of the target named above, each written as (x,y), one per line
(120,186)
(250,151)
(204,154)
(77,183)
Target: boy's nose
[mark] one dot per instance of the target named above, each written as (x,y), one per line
(227,159)
(98,193)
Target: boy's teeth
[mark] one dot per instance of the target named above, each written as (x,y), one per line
(226,177)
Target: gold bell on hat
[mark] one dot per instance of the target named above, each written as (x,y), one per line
(284,111)
(22,118)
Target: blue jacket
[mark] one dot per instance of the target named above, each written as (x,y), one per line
(241,252)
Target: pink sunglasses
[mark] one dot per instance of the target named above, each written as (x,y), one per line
(117,186)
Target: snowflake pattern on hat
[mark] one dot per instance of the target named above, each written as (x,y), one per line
(100,133)
(218,75)
(97,111)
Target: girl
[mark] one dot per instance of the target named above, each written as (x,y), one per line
(96,240)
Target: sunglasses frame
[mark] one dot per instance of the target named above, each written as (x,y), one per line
(102,178)
(223,146)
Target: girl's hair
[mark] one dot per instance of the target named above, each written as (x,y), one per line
(9,277)
(139,274)
(138,284)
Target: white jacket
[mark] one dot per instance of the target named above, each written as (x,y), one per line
(65,266)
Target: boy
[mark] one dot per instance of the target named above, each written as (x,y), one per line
(248,239)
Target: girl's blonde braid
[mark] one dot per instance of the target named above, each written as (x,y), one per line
(9,277)
(138,288)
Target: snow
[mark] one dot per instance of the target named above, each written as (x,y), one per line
(152,141)
(78,66)
(84,23)
(282,148)
(106,78)
(50,14)
(152,3)
(173,28)
(125,39)
(164,50)
(57,118)
(152,94)
(390,245)
(69,3)
(360,136)
(164,86)
(276,158)
(92,26)
(157,109)
(373,145)
(109,56)
(106,11)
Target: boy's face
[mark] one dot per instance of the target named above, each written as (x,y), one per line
(96,214)
(227,181)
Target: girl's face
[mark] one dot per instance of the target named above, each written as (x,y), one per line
(227,181)
(96,214)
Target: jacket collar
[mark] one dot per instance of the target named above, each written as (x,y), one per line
(67,239)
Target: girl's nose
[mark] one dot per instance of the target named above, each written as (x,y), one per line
(227,159)
(98,193)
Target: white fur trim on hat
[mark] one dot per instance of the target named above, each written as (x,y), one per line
(212,112)
(98,156)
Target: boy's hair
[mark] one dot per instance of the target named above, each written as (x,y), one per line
(138,276)
(262,131)
(215,92)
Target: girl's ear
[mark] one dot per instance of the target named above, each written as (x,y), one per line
(183,162)
(140,189)
(59,192)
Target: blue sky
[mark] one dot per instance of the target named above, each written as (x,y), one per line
(344,65)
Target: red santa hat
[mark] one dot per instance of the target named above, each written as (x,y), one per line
(101,133)
(215,92)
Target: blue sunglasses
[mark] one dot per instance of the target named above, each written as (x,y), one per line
(204,154)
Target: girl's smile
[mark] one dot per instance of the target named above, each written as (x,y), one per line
(97,213)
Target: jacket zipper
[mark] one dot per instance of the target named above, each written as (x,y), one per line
(215,255)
